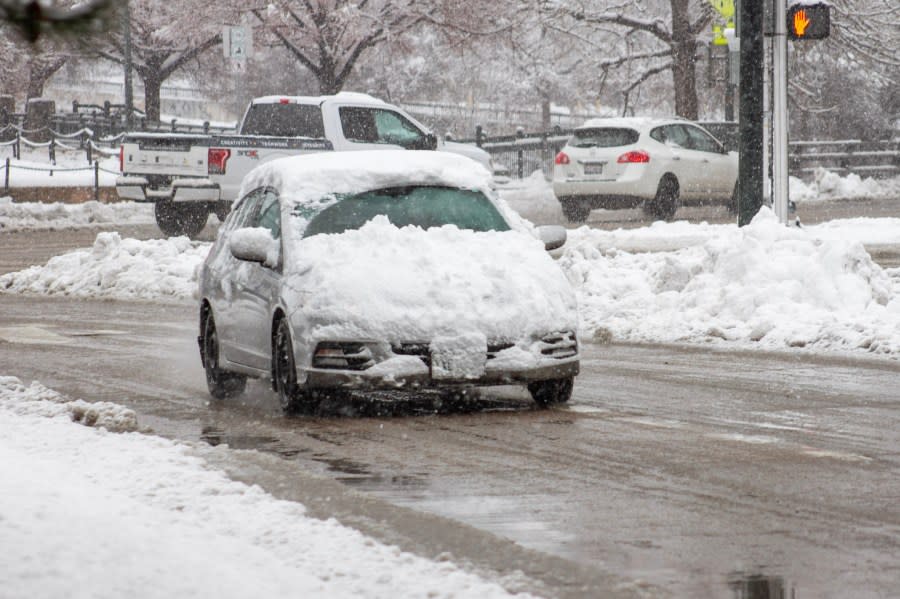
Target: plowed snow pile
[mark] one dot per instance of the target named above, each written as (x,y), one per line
(764,285)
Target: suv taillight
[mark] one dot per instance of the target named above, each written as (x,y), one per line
(634,156)
(122,159)
(216,160)
(562,158)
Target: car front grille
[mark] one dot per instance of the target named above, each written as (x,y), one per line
(559,345)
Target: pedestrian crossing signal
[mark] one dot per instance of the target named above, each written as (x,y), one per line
(808,20)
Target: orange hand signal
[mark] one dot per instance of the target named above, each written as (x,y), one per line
(800,23)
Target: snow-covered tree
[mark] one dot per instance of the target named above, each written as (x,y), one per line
(329,37)
(165,37)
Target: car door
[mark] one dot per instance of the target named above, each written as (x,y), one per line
(717,174)
(226,272)
(256,292)
(682,160)
(368,128)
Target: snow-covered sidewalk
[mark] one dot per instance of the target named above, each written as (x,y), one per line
(16,216)
(90,513)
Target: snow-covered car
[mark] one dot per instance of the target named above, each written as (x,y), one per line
(383,269)
(653,163)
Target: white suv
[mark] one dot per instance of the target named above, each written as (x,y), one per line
(654,163)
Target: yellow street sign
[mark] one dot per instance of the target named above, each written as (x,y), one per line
(724,8)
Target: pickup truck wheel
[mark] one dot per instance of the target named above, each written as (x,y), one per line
(554,391)
(221,383)
(290,395)
(175,220)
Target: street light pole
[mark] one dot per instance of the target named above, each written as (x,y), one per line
(780,111)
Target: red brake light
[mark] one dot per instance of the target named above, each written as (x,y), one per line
(216,160)
(122,159)
(284,101)
(634,156)
(562,158)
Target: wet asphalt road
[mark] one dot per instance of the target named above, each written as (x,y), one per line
(674,471)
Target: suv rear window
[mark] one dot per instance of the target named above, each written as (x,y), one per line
(603,138)
(284,120)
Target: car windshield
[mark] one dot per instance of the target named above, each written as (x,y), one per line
(421,206)
(603,138)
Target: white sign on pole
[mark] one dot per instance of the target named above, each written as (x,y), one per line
(237,42)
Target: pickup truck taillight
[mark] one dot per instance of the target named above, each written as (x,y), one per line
(122,159)
(216,160)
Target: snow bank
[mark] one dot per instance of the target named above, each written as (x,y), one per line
(96,514)
(827,185)
(764,285)
(37,215)
(157,269)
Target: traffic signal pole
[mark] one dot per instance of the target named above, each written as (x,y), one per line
(780,115)
(750,168)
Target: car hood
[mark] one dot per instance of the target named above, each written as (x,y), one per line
(407,284)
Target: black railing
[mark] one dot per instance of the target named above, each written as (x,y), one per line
(520,155)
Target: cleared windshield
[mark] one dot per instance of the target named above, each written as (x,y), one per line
(420,206)
(603,138)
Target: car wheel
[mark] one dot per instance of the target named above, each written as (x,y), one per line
(665,203)
(221,383)
(553,391)
(290,395)
(574,210)
(175,220)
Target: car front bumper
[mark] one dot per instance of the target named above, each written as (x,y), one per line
(424,377)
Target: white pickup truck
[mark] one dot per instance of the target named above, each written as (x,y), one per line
(192,176)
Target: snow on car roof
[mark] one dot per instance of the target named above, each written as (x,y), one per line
(345,96)
(636,122)
(308,178)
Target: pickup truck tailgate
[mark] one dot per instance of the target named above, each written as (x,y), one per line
(165,154)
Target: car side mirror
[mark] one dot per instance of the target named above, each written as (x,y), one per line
(431,142)
(254,244)
(553,236)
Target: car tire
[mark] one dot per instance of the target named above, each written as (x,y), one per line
(553,391)
(221,383)
(291,396)
(575,211)
(665,202)
(175,220)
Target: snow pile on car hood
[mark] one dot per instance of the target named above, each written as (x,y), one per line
(408,284)
(115,267)
(765,284)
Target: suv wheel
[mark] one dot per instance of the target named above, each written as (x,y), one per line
(575,211)
(665,203)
